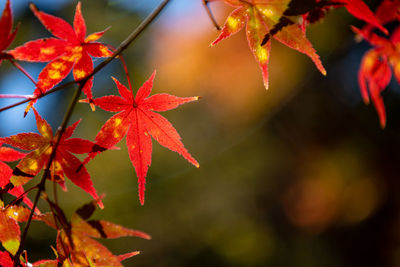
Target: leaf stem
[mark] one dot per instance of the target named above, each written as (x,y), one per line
(126,73)
(23,71)
(124,45)
(28,97)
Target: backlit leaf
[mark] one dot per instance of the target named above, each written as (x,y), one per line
(69,51)
(138,121)
(64,162)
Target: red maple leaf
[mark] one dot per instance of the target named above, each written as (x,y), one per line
(9,229)
(64,163)
(260,17)
(138,122)
(387,11)
(5,259)
(8,154)
(6,33)
(70,50)
(375,73)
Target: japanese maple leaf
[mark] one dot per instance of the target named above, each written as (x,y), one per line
(138,121)
(64,162)
(9,228)
(7,261)
(361,11)
(69,50)
(8,154)
(387,11)
(260,16)
(375,73)
(6,33)
(75,243)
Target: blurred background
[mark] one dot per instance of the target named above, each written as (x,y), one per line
(299,175)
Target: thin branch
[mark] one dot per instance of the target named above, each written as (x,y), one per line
(124,45)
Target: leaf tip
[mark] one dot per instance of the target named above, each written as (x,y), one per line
(153,75)
(382,29)
(266,83)
(92,106)
(99,201)
(33,7)
(382,121)
(114,79)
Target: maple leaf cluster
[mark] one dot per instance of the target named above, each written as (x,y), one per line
(375,70)
(286,21)
(71,50)
(277,19)
(54,152)
(75,244)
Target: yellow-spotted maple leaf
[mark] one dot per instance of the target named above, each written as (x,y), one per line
(9,228)
(137,120)
(260,17)
(64,162)
(69,50)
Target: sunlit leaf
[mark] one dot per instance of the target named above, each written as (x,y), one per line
(69,50)
(64,162)
(138,121)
